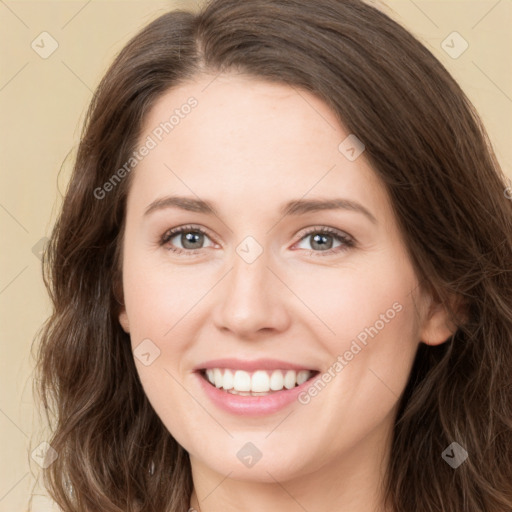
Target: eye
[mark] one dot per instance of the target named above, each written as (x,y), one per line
(321,239)
(190,238)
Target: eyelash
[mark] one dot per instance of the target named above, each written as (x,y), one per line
(348,242)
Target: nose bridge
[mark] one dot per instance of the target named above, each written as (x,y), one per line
(252,300)
(250,279)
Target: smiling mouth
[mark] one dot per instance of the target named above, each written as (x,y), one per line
(257,383)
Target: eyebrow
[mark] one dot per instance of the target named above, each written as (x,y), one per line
(294,207)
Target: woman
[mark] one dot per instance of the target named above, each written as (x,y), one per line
(281,275)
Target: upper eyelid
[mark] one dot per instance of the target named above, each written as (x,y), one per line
(171,233)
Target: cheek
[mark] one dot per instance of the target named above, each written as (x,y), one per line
(158,302)
(371,358)
(159,295)
(375,329)
(350,299)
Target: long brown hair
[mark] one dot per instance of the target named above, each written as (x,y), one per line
(428,146)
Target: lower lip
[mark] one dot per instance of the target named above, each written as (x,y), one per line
(252,405)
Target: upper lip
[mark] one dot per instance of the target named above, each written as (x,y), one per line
(252,365)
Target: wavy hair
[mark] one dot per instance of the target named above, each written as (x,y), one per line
(428,146)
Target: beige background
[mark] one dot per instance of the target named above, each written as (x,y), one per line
(43,102)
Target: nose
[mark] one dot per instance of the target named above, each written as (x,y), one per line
(253,300)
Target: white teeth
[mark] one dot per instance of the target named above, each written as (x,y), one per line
(229,379)
(258,382)
(290,379)
(303,376)
(217,375)
(242,381)
(276,380)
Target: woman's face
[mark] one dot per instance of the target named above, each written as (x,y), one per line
(290,262)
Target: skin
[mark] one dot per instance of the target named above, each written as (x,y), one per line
(250,146)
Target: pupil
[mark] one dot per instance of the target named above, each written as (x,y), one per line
(321,240)
(191,238)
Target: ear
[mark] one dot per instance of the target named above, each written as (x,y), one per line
(118,294)
(123,320)
(438,326)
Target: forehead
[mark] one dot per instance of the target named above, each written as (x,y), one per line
(233,136)
(261,118)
